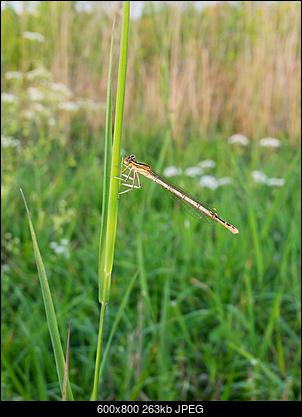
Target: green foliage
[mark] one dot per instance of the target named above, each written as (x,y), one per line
(111,186)
(207,56)
(224,320)
(50,313)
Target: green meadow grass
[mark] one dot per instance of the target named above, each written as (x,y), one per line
(194,313)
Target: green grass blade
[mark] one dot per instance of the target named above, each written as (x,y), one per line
(19,387)
(107,170)
(49,308)
(112,210)
(40,380)
(66,370)
(116,150)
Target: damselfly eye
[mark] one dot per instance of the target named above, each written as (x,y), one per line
(133,157)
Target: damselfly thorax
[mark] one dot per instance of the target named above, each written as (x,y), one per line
(132,181)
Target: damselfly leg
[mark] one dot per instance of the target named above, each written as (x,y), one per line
(135,180)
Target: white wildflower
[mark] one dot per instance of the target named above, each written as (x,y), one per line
(172,171)
(224,181)
(13,75)
(60,89)
(68,106)
(29,114)
(259,177)
(39,108)
(38,73)
(207,163)
(208,181)
(5,268)
(51,121)
(91,105)
(239,139)
(187,224)
(8,98)
(83,6)
(193,171)
(270,142)
(64,242)
(275,182)
(35,94)
(9,142)
(60,248)
(33,36)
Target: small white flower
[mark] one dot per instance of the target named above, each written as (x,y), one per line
(259,177)
(275,182)
(51,121)
(68,106)
(29,114)
(83,6)
(33,36)
(254,362)
(187,224)
(207,163)
(5,268)
(193,171)
(208,181)
(60,249)
(13,75)
(91,105)
(8,98)
(172,171)
(35,94)
(38,73)
(270,142)
(239,139)
(9,142)
(60,89)
(39,108)
(224,181)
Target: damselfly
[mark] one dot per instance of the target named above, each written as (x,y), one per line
(138,168)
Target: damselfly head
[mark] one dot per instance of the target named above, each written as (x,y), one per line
(129,159)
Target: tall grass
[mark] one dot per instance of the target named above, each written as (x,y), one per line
(110,199)
(220,327)
(211,54)
(50,314)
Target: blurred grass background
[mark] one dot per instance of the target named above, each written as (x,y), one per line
(211,315)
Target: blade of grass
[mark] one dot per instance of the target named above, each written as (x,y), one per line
(113,190)
(107,170)
(64,395)
(49,308)
(163,355)
(17,384)
(40,379)
(116,151)
(272,377)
